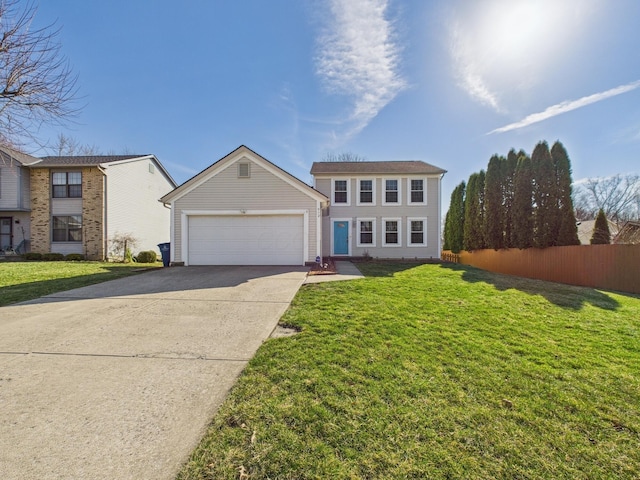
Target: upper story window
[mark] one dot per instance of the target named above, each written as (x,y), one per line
(341,192)
(416,191)
(67,184)
(366,192)
(391,191)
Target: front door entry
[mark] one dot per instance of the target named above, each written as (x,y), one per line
(6,233)
(340,237)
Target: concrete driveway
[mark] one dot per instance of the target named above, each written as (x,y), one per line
(119,380)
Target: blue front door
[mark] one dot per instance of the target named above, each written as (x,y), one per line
(341,238)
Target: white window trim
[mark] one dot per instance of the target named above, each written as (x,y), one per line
(384,231)
(373,192)
(373,231)
(424,191)
(384,191)
(424,231)
(333,192)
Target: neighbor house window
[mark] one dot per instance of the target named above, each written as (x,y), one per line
(391,236)
(417,232)
(416,191)
(391,192)
(67,184)
(366,232)
(366,192)
(341,192)
(67,228)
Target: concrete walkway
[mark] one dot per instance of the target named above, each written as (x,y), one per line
(119,380)
(346,271)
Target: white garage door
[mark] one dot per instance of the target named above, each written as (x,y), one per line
(246,240)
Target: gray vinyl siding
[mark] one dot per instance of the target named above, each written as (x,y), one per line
(11,183)
(261,191)
(379,211)
(132,198)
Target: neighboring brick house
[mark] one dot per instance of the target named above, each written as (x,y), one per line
(77,204)
(381,209)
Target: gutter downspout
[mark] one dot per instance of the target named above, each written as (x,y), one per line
(105,240)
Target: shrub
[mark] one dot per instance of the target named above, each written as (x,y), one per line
(74,257)
(148,256)
(53,257)
(32,256)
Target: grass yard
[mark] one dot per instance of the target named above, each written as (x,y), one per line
(20,281)
(437,372)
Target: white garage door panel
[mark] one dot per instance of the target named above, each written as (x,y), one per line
(246,240)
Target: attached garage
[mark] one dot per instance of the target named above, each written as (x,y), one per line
(246,239)
(244,210)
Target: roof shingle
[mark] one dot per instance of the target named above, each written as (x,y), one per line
(392,167)
(84,161)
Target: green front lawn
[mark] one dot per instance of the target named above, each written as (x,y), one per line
(20,281)
(440,372)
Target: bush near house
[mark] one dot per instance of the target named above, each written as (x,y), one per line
(147,256)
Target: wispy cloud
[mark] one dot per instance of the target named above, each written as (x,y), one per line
(567,106)
(358,57)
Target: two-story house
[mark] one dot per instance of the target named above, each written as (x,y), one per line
(245,210)
(381,209)
(77,204)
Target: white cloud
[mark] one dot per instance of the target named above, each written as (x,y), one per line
(567,106)
(358,57)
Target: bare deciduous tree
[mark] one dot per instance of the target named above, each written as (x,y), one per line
(37,85)
(618,196)
(343,157)
(69,146)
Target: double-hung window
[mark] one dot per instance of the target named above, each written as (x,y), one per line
(366,232)
(67,184)
(392,232)
(391,191)
(366,192)
(341,192)
(67,228)
(417,192)
(417,232)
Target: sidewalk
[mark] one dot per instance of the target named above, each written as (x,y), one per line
(346,271)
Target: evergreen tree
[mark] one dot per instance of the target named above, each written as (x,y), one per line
(522,209)
(508,175)
(494,192)
(567,229)
(544,196)
(473,213)
(454,223)
(601,234)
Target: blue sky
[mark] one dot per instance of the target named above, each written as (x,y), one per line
(448,82)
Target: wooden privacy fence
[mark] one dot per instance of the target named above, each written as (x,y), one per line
(609,267)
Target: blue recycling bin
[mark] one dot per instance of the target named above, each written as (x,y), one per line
(165,251)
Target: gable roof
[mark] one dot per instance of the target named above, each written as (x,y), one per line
(97,160)
(9,155)
(392,167)
(235,155)
(628,234)
(85,160)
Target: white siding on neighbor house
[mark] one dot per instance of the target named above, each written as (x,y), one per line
(405,211)
(10,181)
(133,206)
(262,191)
